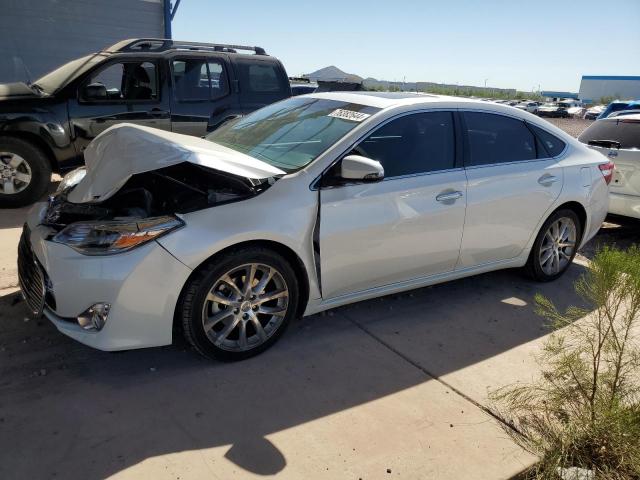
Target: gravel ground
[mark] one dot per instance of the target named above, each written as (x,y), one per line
(573,126)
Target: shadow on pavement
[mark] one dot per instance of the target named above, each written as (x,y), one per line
(14,217)
(92,414)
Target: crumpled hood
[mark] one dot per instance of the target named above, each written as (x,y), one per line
(125,149)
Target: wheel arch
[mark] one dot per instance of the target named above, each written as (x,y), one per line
(578,209)
(37,142)
(287,252)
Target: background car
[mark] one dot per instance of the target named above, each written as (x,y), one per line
(618,138)
(556,110)
(531,107)
(593,112)
(619,105)
(624,113)
(183,87)
(311,203)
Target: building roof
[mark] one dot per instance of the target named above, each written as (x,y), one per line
(609,77)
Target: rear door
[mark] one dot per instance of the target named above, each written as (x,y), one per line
(202,93)
(407,226)
(119,91)
(512,183)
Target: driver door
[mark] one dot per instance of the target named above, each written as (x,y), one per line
(124,91)
(407,226)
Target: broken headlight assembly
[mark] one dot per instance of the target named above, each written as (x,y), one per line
(72,178)
(110,237)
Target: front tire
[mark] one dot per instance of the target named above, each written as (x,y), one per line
(240,304)
(555,246)
(25,173)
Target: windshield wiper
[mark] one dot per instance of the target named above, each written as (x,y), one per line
(37,88)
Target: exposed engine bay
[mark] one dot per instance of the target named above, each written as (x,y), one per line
(180,188)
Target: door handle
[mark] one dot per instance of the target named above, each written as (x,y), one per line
(449,196)
(547,180)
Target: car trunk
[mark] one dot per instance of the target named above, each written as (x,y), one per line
(619,140)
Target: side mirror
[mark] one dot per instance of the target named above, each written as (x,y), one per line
(356,167)
(94,91)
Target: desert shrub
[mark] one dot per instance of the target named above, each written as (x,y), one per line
(584,410)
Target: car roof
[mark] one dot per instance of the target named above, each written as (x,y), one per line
(621,118)
(395,99)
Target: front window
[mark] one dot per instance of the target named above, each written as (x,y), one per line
(58,78)
(292,133)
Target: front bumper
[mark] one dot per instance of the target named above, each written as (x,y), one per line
(141,285)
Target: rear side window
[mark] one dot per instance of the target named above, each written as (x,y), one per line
(198,79)
(620,129)
(548,145)
(417,143)
(263,78)
(495,138)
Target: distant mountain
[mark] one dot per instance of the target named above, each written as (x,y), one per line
(332,74)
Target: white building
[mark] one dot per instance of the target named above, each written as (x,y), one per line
(594,87)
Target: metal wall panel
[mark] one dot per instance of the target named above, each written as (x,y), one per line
(622,88)
(36,36)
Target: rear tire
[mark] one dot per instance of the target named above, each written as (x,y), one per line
(225,319)
(25,173)
(555,246)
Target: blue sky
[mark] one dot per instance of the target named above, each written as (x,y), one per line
(513,44)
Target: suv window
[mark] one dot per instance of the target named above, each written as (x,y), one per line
(548,145)
(263,78)
(495,138)
(126,81)
(416,143)
(620,129)
(197,79)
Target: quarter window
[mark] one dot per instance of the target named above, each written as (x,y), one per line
(548,145)
(417,143)
(199,79)
(263,78)
(497,139)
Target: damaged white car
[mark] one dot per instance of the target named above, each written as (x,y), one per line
(310,203)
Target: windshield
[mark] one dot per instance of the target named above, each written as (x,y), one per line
(292,133)
(59,77)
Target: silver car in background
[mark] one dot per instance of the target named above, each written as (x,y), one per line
(618,138)
(310,203)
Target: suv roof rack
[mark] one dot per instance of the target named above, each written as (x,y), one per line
(164,44)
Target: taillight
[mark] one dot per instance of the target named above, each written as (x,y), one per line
(607,171)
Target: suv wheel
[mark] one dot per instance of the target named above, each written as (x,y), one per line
(240,305)
(556,245)
(25,173)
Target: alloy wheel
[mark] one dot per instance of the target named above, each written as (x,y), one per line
(558,246)
(245,307)
(15,173)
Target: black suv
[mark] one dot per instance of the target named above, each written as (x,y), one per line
(184,87)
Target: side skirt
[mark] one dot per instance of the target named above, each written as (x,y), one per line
(320,305)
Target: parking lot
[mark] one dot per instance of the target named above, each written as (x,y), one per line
(394,387)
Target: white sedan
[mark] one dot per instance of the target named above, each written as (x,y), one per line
(310,203)
(618,138)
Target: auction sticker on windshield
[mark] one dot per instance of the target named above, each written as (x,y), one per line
(349,115)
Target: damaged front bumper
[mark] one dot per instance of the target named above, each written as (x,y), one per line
(141,287)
